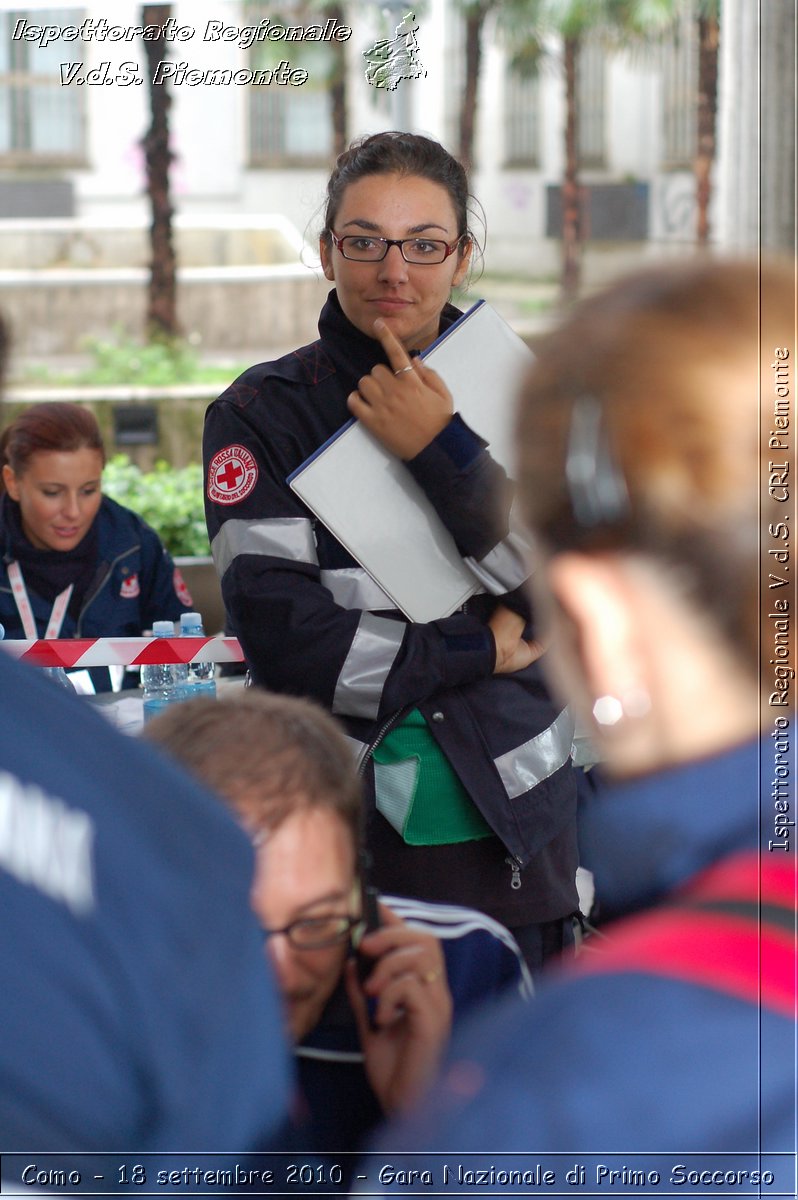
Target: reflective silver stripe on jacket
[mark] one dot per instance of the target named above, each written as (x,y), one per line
(505,567)
(352,587)
(357,747)
(529,764)
(374,647)
(278,537)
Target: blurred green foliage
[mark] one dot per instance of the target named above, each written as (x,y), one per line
(121,361)
(168,498)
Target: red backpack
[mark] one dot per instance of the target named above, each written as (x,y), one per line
(733,928)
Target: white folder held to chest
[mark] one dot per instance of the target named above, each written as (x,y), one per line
(368,499)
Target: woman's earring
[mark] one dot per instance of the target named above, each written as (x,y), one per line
(608,710)
(633,703)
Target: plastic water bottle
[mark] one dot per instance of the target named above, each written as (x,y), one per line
(60,678)
(201,680)
(163,683)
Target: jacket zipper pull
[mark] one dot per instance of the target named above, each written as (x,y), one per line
(515,867)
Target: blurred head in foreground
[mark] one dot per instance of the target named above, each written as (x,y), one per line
(640,459)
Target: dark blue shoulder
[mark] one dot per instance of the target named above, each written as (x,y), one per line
(120,527)
(306,366)
(115,516)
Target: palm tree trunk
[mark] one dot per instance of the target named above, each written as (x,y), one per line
(474,22)
(339,109)
(572,227)
(708,40)
(162,296)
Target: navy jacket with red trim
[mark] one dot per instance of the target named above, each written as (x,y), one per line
(136,583)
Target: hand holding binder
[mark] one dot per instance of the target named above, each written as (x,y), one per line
(405,405)
(370,502)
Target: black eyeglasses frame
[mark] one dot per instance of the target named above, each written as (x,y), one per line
(449,247)
(349,923)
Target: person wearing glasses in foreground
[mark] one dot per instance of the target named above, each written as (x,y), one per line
(643,468)
(471,795)
(285,768)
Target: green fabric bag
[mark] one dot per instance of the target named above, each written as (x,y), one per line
(418,792)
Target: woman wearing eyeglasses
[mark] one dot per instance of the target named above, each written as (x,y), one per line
(467,760)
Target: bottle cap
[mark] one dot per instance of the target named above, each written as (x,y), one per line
(190,619)
(163,628)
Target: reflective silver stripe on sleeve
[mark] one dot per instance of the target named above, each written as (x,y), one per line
(374,647)
(352,587)
(505,568)
(529,764)
(278,537)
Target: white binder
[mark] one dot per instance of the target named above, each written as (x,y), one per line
(368,499)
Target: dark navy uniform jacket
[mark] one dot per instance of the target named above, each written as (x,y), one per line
(136,582)
(137,1009)
(312,622)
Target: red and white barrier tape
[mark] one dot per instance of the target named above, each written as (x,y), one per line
(123,651)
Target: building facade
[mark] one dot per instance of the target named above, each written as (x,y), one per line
(259,102)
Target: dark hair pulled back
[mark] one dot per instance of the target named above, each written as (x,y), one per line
(44,428)
(395,153)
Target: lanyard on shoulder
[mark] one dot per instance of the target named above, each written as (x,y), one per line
(25,611)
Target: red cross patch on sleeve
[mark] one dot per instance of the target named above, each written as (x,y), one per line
(232,475)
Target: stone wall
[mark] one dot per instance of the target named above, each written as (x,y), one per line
(220,309)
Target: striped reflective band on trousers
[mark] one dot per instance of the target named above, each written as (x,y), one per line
(528,764)
(506,566)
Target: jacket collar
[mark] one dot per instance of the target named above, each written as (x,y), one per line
(354,353)
(645,837)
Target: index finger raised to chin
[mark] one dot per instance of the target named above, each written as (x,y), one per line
(397,355)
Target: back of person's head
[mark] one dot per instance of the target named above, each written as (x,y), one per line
(396,153)
(639,430)
(43,428)
(267,755)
